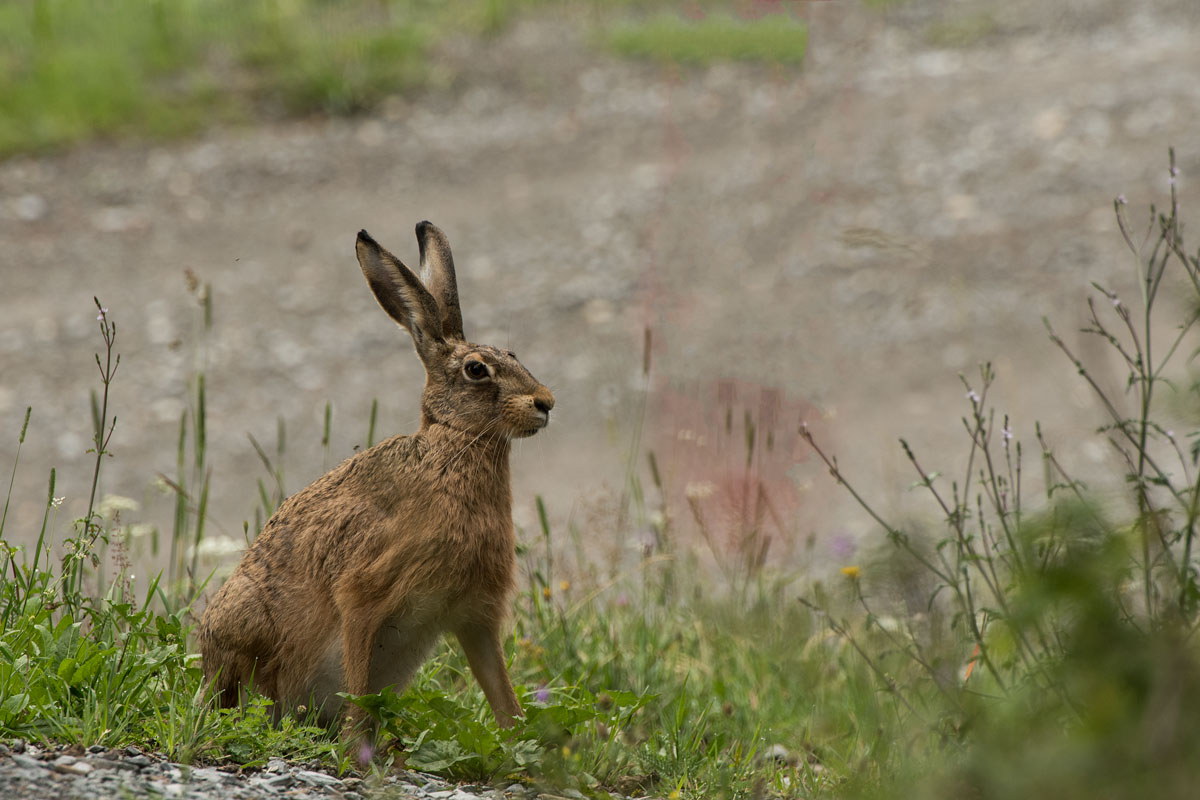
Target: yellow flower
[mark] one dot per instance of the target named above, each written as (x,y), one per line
(565,585)
(851,572)
(546,592)
(673,795)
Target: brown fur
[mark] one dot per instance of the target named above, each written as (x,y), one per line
(354,578)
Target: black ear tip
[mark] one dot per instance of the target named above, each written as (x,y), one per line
(365,238)
(423,227)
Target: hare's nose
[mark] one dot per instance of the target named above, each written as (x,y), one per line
(543,401)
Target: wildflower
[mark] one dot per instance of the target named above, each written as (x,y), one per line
(564,585)
(842,545)
(366,753)
(102,314)
(566,752)
(139,530)
(851,572)
(56,502)
(1121,199)
(113,505)
(1007,433)
(1116,301)
(216,547)
(972,396)
(542,695)
(546,592)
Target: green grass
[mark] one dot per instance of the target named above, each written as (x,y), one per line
(1021,643)
(777,39)
(74,71)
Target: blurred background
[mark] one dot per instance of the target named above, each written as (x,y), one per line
(699,223)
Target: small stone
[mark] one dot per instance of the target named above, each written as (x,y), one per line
(132,751)
(27,762)
(352,796)
(96,749)
(779,754)
(18,746)
(31,207)
(139,761)
(317,778)
(280,781)
(4,749)
(277,765)
(64,761)
(173,790)
(77,768)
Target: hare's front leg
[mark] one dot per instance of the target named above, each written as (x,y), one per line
(359,631)
(481,642)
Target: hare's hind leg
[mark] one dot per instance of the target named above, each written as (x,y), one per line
(234,643)
(481,642)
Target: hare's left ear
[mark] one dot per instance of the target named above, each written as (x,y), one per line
(437,273)
(402,296)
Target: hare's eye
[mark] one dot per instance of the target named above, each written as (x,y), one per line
(475,370)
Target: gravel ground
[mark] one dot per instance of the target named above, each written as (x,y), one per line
(31,773)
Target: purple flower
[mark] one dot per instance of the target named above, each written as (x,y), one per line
(366,752)
(100,316)
(542,695)
(974,398)
(842,546)
(1121,199)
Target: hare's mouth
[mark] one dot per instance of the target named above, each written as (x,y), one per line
(531,426)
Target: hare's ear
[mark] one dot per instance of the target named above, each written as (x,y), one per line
(437,273)
(401,294)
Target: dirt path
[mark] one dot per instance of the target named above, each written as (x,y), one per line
(853,235)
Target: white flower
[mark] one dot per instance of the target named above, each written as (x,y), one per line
(114,504)
(216,547)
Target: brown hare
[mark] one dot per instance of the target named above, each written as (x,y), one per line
(355,577)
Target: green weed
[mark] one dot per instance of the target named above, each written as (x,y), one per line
(775,38)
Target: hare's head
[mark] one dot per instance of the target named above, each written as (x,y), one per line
(473,388)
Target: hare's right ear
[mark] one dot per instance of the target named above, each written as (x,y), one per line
(437,274)
(401,294)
